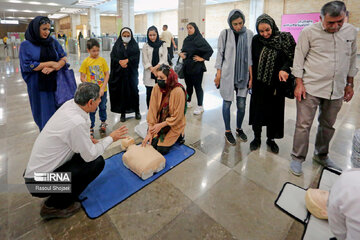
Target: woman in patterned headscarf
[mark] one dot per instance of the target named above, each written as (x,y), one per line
(166,116)
(272,54)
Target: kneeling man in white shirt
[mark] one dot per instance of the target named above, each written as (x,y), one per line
(65,145)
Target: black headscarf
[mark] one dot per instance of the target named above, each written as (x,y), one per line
(195,44)
(155,45)
(195,40)
(196,35)
(47,82)
(278,41)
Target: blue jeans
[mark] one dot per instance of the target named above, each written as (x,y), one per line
(240,104)
(102,111)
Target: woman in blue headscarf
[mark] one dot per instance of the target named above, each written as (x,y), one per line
(41,56)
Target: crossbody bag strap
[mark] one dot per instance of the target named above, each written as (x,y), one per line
(223,56)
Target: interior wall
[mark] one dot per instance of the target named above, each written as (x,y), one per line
(309,6)
(274,8)
(84,19)
(5,28)
(169,18)
(65,26)
(108,25)
(217,15)
(140,24)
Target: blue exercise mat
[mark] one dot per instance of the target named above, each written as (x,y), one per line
(116,183)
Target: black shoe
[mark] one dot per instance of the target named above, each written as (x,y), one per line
(48,213)
(230,138)
(137,116)
(181,139)
(241,134)
(255,144)
(122,118)
(273,146)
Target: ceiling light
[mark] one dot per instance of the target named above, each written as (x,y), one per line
(53,4)
(90,3)
(15,1)
(9,21)
(12,10)
(41,11)
(35,3)
(27,11)
(57,16)
(71,10)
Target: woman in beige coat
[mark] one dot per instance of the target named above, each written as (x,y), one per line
(166,116)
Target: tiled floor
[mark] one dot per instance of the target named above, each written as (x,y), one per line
(221,192)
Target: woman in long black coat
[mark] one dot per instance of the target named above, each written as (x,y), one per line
(272,54)
(124,75)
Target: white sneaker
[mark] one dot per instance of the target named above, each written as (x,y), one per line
(189,105)
(199,110)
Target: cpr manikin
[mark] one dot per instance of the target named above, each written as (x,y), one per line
(143,161)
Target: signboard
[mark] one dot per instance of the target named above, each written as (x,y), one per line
(9,21)
(294,23)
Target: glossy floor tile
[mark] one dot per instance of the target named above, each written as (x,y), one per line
(221,192)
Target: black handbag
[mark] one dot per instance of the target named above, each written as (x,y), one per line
(288,87)
(179,68)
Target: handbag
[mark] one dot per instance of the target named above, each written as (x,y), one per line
(179,68)
(288,87)
(65,85)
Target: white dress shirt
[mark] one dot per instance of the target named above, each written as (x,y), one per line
(324,60)
(67,132)
(344,206)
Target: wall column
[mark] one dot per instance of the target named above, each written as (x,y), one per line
(75,20)
(94,21)
(190,11)
(256,9)
(125,15)
(150,20)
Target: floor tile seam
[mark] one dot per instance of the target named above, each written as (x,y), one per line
(176,216)
(263,188)
(216,183)
(113,224)
(183,211)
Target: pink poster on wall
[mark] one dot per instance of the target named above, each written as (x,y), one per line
(294,23)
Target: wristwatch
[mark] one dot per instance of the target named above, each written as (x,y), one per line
(350,84)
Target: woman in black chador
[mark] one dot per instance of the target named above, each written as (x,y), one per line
(272,54)
(124,75)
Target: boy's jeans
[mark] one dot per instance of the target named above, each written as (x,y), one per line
(102,111)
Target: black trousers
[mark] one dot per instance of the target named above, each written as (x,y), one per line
(195,81)
(82,174)
(257,131)
(160,149)
(148,95)
(171,51)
